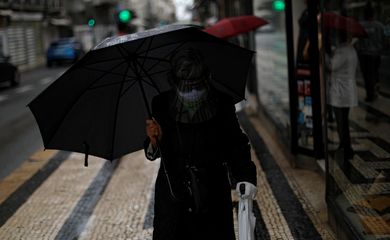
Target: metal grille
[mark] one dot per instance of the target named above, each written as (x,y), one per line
(17,45)
(31,46)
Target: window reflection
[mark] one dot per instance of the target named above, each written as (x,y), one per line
(357,75)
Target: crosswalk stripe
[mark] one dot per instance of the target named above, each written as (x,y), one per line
(18,198)
(3,97)
(24,89)
(50,203)
(45,80)
(82,211)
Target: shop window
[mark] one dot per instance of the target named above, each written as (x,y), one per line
(272,71)
(356,71)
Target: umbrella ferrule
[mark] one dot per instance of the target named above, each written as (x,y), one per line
(86,146)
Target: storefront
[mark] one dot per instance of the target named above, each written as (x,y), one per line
(288,88)
(19,37)
(325,85)
(356,73)
(272,88)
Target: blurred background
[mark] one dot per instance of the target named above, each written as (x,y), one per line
(29,27)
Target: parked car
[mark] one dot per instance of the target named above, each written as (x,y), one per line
(8,71)
(64,50)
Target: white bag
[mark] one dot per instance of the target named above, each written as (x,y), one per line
(246,218)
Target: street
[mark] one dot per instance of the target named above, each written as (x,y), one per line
(19,135)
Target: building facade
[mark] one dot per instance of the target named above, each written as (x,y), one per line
(27,27)
(22,25)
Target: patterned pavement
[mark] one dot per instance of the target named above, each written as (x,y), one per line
(367,185)
(363,191)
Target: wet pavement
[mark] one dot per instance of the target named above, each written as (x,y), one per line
(53,196)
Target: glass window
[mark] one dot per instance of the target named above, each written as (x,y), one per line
(303,75)
(272,68)
(356,56)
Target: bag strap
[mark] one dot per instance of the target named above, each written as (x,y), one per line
(166,172)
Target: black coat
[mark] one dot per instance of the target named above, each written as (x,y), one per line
(207,145)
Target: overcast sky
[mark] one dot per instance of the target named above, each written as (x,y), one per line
(181,12)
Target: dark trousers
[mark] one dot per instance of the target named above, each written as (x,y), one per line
(342,120)
(369,65)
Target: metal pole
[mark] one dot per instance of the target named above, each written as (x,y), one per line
(139,80)
(292,82)
(315,79)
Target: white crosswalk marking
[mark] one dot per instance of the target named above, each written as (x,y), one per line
(60,74)
(3,97)
(24,89)
(45,80)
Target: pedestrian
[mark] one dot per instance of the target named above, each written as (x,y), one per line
(342,88)
(303,37)
(369,52)
(196,132)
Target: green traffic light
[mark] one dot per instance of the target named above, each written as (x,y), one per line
(91,22)
(279,5)
(124,16)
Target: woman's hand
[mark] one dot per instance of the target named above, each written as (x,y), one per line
(153,131)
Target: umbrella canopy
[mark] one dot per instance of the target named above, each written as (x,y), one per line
(333,21)
(99,105)
(232,26)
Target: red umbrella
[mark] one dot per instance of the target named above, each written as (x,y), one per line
(228,27)
(337,22)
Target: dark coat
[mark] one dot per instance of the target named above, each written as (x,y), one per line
(207,145)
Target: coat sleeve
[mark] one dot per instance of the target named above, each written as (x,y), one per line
(242,167)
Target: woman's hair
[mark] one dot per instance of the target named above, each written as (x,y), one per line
(188,64)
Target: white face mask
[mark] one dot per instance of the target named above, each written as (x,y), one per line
(192,95)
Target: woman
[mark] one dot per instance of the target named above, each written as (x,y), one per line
(342,88)
(196,131)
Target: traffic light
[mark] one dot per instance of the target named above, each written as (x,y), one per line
(125,15)
(278,5)
(91,22)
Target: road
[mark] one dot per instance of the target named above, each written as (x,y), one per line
(19,134)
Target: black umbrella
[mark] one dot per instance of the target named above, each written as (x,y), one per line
(99,105)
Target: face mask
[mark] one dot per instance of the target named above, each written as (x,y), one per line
(192,95)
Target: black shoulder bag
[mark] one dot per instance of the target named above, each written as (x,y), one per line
(195,184)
